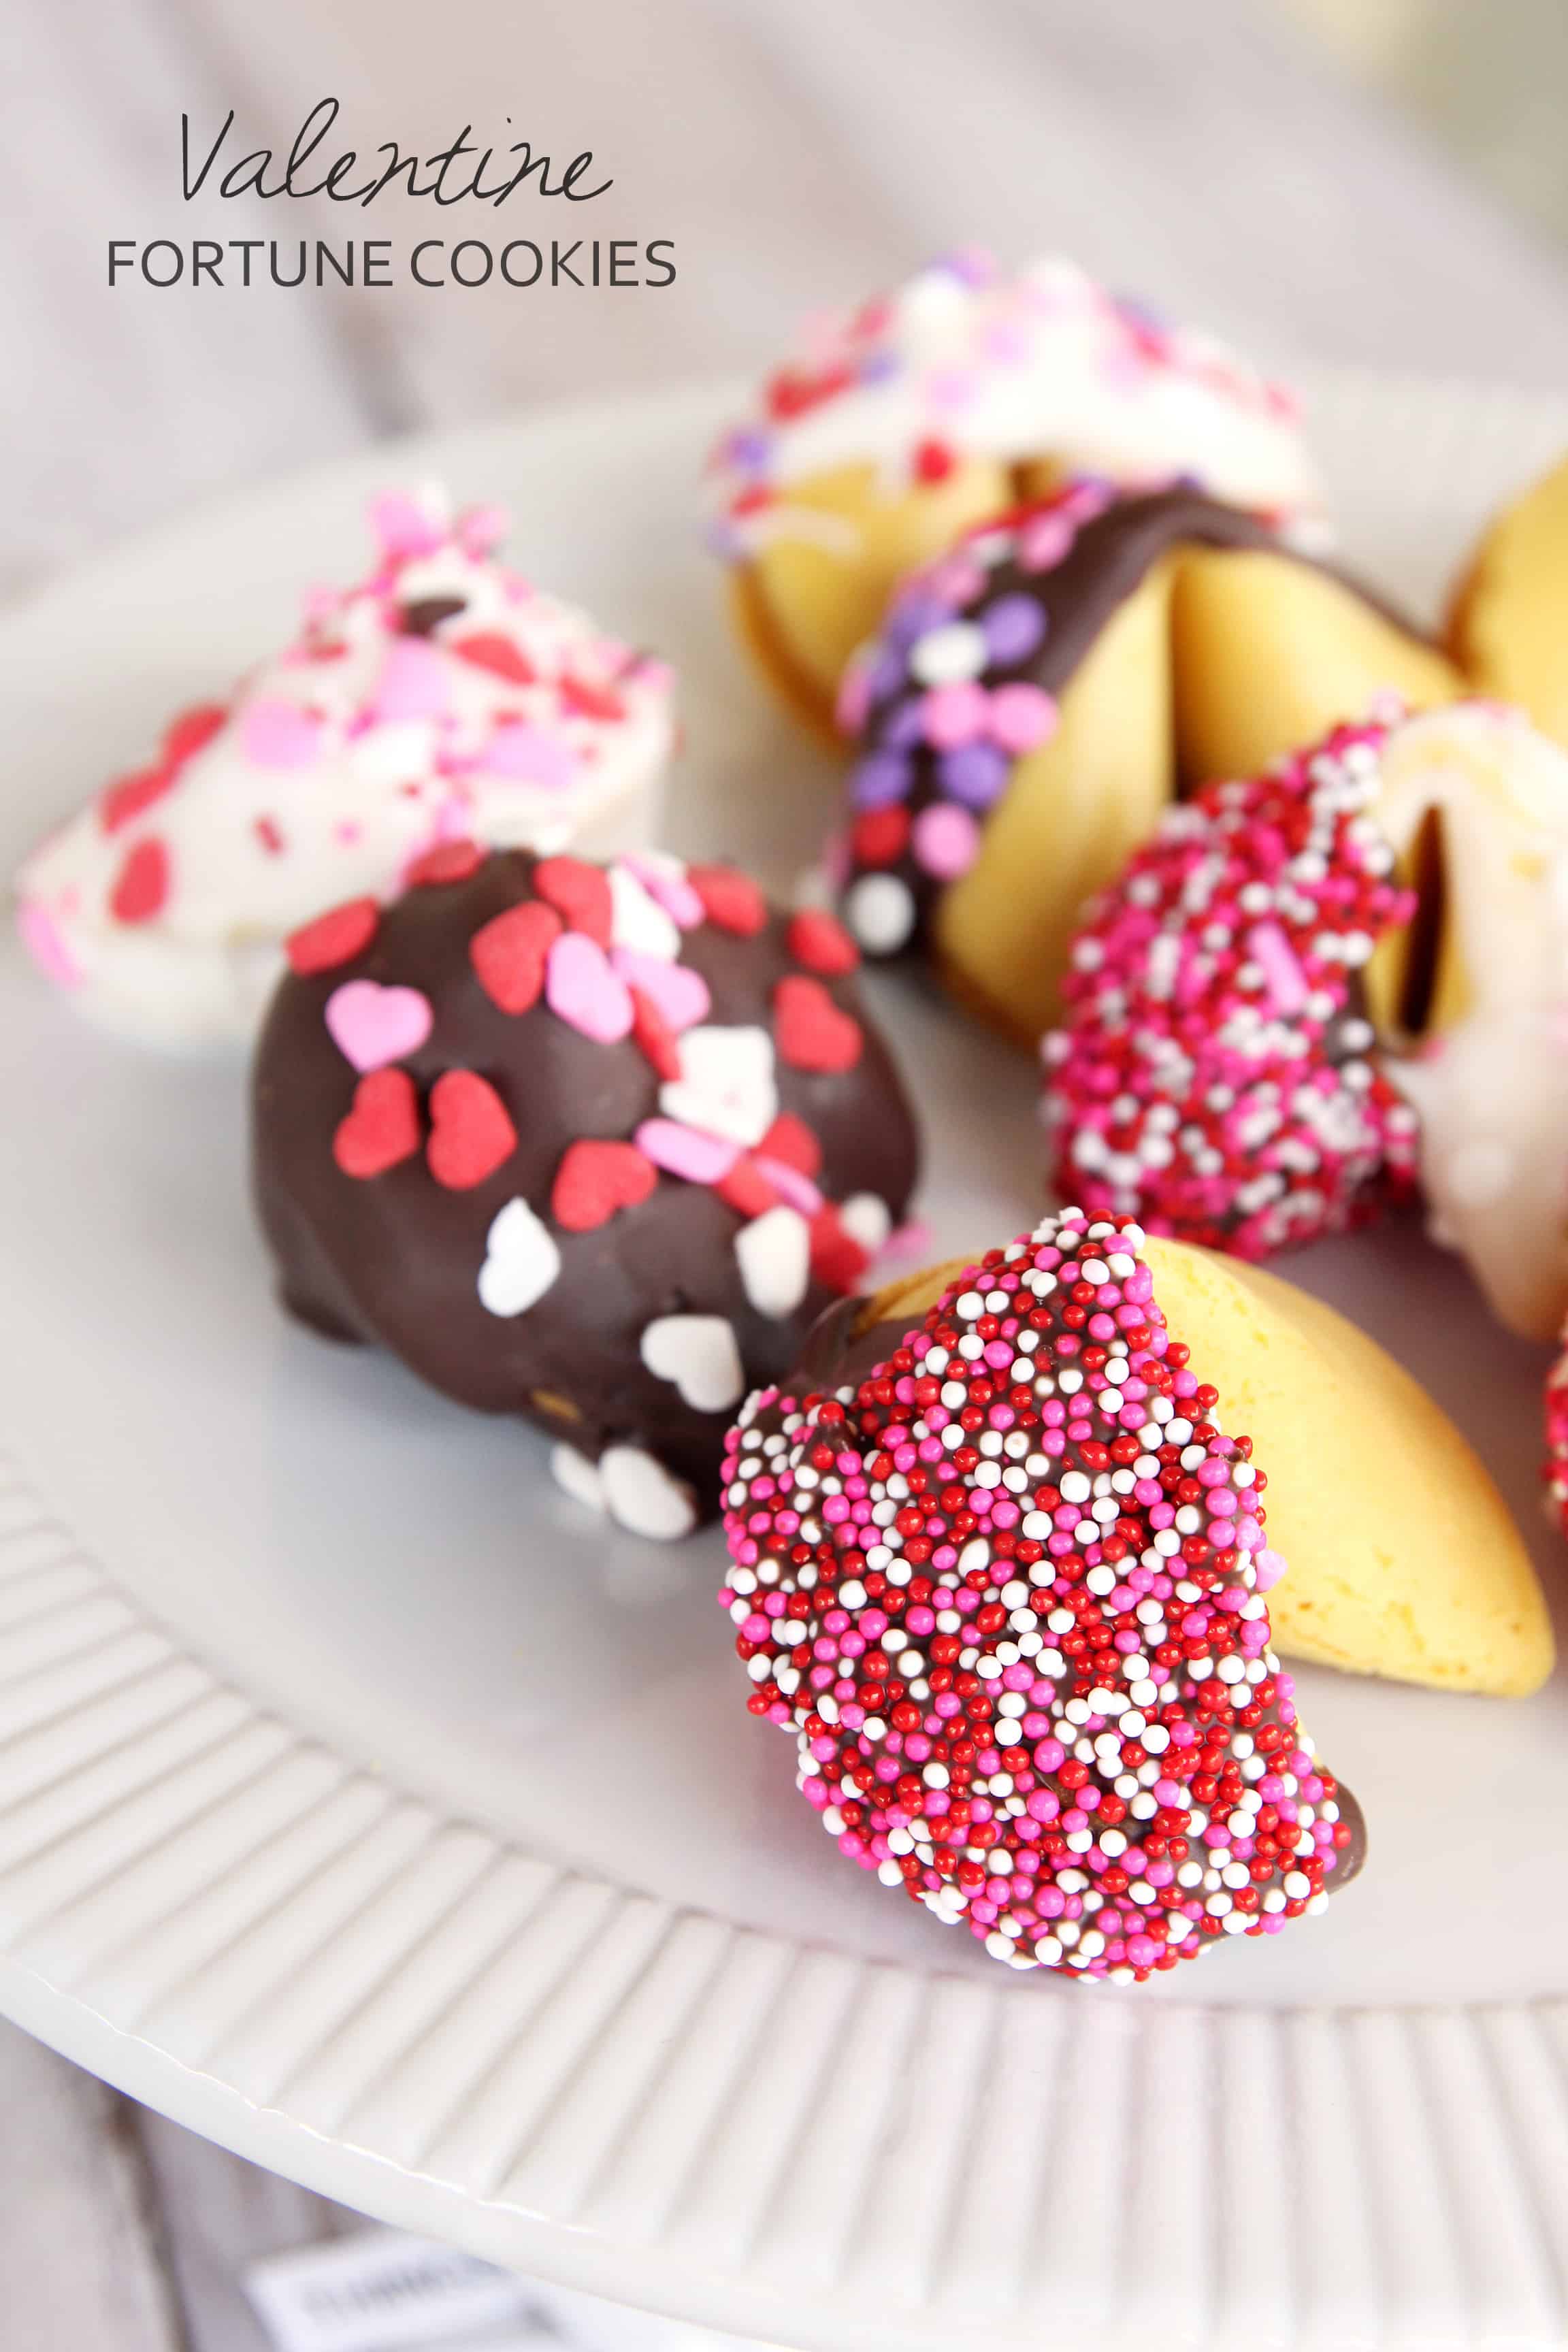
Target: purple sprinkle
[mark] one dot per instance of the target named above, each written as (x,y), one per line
(877,366)
(973,773)
(911,616)
(750,451)
(904,726)
(887,677)
(879,780)
(1014,626)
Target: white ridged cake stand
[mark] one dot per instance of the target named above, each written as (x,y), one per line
(369,1809)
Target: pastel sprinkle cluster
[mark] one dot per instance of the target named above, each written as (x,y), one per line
(942,704)
(963,356)
(1214,1071)
(1008,1592)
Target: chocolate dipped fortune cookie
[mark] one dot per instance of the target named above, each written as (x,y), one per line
(1000,1568)
(1039,697)
(442,695)
(589,1145)
(1320,988)
(905,422)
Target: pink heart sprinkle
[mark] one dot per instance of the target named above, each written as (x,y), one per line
(529,755)
(413,682)
(581,987)
(679,994)
(277,734)
(790,1185)
(670,890)
(686,1152)
(372,1025)
(403,525)
(46,943)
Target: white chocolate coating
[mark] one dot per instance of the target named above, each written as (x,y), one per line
(1490,1083)
(1046,364)
(511,720)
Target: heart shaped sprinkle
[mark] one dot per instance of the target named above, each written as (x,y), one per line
(790,1139)
(448,861)
(774,1253)
(189,730)
(746,1189)
(471,1134)
(383,1127)
(372,1025)
(868,1217)
(334,938)
(522,1261)
(486,649)
(653,1038)
(579,893)
(699,1354)
(664,878)
(812,1033)
(509,952)
(413,683)
(837,1259)
(820,941)
(641,1496)
(141,884)
(789,1184)
(129,795)
(681,995)
(277,734)
(726,1084)
(595,1179)
(638,921)
(686,1152)
(729,898)
(581,987)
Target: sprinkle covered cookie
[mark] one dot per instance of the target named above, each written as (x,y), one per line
(587,1144)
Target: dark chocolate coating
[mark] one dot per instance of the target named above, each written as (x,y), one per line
(841,1350)
(1109,557)
(394,1259)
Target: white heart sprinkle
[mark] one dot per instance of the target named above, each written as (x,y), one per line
(638,921)
(522,1261)
(641,1496)
(866,1218)
(775,1256)
(577,1477)
(698,1353)
(726,1083)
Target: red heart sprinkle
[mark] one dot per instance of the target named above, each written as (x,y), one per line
(746,1189)
(820,941)
(790,1139)
(509,951)
(878,836)
(189,729)
(129,795)
(470,1131)
(655,1037)
(594,1179)
(143,883)
(579,892)
(449,861)
(582,700)
(489,650)
(334,938)
(729,898)
(811,1032)
(382,1128)
(837,1259)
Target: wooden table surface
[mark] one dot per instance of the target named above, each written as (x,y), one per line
(797,153)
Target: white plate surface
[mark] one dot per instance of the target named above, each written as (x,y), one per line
(368,1808)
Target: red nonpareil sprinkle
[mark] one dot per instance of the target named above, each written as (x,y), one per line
(580,894)
(383,1127)
(596,1177)
(448,861)
(509,952)
(820,941)
(334,938)
(810,1031)
(933,462)
(878,837)
(142,886)
(471,1133)
(729,898)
